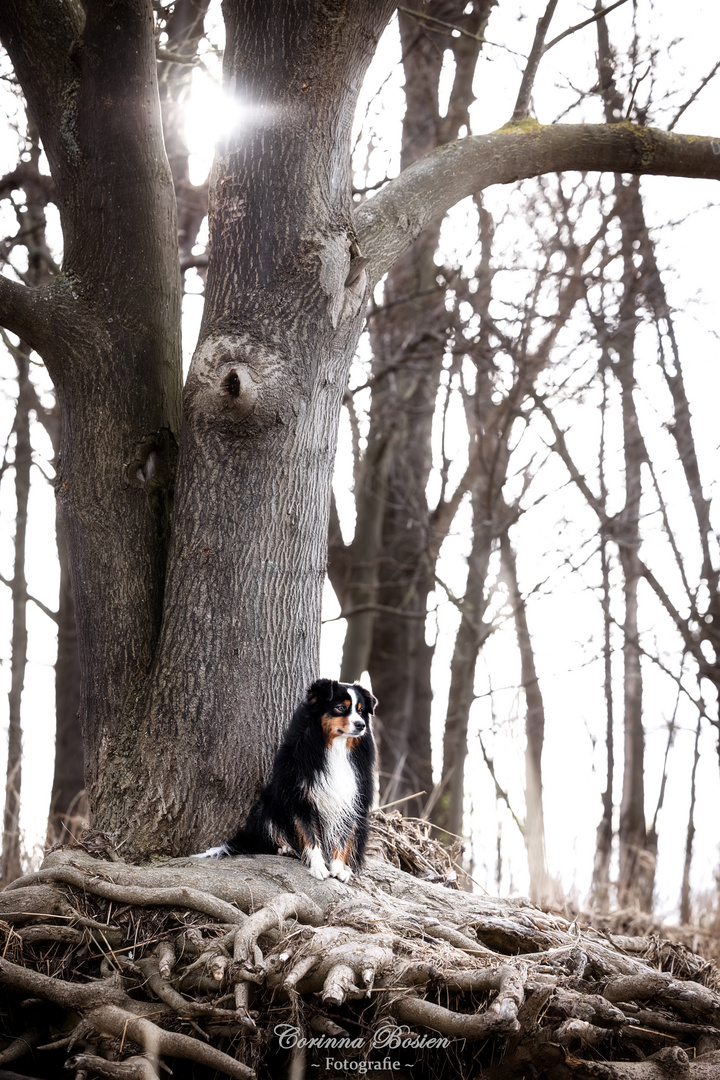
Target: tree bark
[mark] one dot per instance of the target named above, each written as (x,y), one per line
(265,385)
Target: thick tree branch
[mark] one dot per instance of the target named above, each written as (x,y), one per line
(388,223)
(28,312)
(49,30)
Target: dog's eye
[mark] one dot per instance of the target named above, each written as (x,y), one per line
(341,709)
(359,707)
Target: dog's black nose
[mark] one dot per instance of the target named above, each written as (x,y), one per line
(359,725)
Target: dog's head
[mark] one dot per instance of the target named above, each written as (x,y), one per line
(343,709)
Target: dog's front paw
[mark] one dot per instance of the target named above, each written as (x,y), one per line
(212,853)
(340,871)
(316,864)
(319,871)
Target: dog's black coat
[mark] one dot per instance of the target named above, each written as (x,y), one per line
(300,809)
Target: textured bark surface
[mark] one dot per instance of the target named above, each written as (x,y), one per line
(260,415)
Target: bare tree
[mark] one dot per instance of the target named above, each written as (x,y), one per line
(10,867)
(390,570)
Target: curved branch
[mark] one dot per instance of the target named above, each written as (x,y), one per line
(387,224)
(115,1021)
(137,894)
(500,1018)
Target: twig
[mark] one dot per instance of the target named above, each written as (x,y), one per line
(693,96)
(522,105)
(579,26)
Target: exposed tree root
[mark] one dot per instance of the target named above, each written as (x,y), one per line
(235,968)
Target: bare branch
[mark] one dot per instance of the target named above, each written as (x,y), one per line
(579,26)
(387,224)
(522,105)
(43,607)
(693,96)
(440,22)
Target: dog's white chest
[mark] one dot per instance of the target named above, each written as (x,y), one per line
(335,791)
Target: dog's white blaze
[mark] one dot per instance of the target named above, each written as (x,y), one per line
(335,790)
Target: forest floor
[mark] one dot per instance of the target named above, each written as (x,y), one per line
(250,967)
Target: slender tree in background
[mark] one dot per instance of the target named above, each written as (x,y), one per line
(18,586)
(68,782)
(389,570)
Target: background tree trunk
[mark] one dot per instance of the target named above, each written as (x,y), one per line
(68,802)
(392,571)
(10,864)
(534,826)
(185,27)
(635,874)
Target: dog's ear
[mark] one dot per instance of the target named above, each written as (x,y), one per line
(321,690)
(370,701)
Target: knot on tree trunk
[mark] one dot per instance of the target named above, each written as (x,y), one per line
(237,384)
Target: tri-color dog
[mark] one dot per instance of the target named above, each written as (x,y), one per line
(318,801)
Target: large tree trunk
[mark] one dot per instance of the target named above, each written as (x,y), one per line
(108,328)
(265,386)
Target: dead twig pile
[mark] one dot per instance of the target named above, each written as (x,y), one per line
(249,966)
(408,843)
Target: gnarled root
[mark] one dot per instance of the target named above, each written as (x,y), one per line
(206,962)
